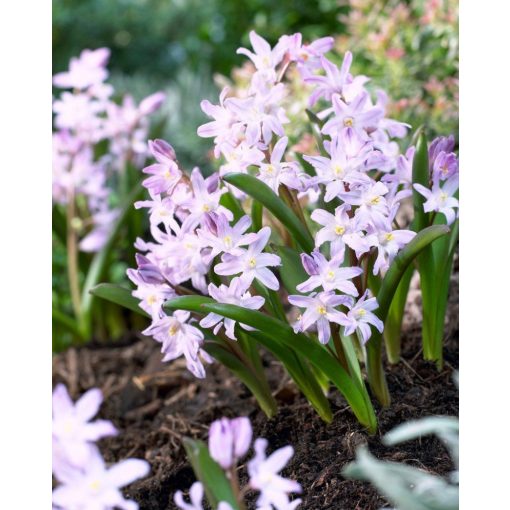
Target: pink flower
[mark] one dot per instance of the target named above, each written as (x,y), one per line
(328,274)
(86,70)
(235,294)
(360,317)
(320,310)
(264,477)
(179,338)
(252,263)
(96,487)
(229,440)
(73,432)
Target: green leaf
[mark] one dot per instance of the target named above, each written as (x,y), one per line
(384,298)
(421,175)
(300,372)
(273,203)
(291,271)
(258,387)
(283,334)
(118,295)
(256,215)
(99,261)
(216,485)
(393,324)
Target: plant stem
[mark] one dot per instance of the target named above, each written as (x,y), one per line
(234,483)
(340,354)
(72,256)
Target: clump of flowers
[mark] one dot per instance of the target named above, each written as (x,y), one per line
(85,482)
(314,226)
(229,442)
(98,145)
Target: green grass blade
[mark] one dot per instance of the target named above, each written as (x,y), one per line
(68,323)
(215,481)
(273,203)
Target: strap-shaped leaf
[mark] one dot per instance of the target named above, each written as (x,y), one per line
(384,298)
(215,482)
(283,333)
(300,373)
(118,295)
(258,387)
(273,203)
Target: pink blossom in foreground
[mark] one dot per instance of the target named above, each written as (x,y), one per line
(97,487)
(264,476)
(72,430)
(229,440)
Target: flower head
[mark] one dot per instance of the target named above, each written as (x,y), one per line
(73,432)
(265,477)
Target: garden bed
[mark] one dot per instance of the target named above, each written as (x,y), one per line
(155,405)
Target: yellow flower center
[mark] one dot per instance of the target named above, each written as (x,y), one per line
(339,230)
(228,241)
(206,208)
(375,200)
(321,310)
(167,174)
(95,485)
(252,262)
(443,196)
(389,236)
(330,275)
(361,312)
(270,169)
(338,170)
(348,122)
(151,299)
(172,330)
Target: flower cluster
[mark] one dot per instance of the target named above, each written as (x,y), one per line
(86,483)
(351,185)
(229,442)
(85,116)
(444,179)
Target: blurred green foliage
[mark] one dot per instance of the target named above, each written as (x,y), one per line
(178,45)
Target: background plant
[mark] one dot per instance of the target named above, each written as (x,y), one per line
(98,146)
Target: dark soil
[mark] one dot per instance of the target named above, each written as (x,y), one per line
(154,406)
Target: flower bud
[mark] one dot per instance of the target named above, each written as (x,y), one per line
(309,264)
(162,151)
(152,103)
(229,440)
